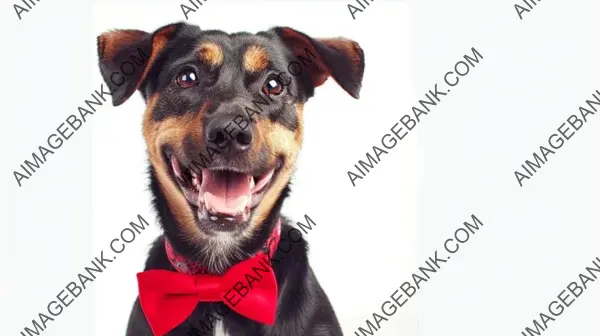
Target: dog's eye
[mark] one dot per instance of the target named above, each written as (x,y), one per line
(272,87)
(187,78)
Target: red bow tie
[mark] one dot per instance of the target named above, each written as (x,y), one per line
(248,288)
(168,298)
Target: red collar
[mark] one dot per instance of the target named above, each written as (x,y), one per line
(182,265)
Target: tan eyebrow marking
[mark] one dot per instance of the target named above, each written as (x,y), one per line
(211,53)
(256,59)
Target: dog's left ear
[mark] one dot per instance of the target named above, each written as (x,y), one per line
(126,56)
(340,58)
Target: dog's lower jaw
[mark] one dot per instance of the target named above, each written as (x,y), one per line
(219,250)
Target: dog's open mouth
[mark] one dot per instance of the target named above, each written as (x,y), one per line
(220,195)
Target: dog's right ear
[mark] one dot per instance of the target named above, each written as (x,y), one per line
(126,56)
(340,58)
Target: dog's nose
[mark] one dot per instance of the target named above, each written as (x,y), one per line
(229,134)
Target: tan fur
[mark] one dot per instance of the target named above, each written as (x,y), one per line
(113,41)
(256,59)
(210,53)
(279,140)
(284,142)
(159,41)
(347,47)
(172,131)
(300,129)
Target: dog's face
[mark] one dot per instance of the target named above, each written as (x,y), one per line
(223,123)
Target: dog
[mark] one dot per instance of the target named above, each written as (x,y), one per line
(223,126)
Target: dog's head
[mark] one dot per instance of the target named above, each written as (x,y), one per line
(223,123)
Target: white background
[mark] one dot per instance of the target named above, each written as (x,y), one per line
(458,161)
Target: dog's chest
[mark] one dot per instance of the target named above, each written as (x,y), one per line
(219,330)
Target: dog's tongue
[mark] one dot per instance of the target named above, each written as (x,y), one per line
(226,193)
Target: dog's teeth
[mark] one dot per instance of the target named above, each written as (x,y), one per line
(210,211)
(213,218)
(229,219)
(251,182)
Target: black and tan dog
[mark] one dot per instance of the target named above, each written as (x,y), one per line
(223,127)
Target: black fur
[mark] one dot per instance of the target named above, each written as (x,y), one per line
(303,307)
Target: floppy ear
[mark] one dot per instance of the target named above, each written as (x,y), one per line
(340,58)
(126,56)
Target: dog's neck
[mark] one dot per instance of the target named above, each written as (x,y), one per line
(218,253)
(187,266)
